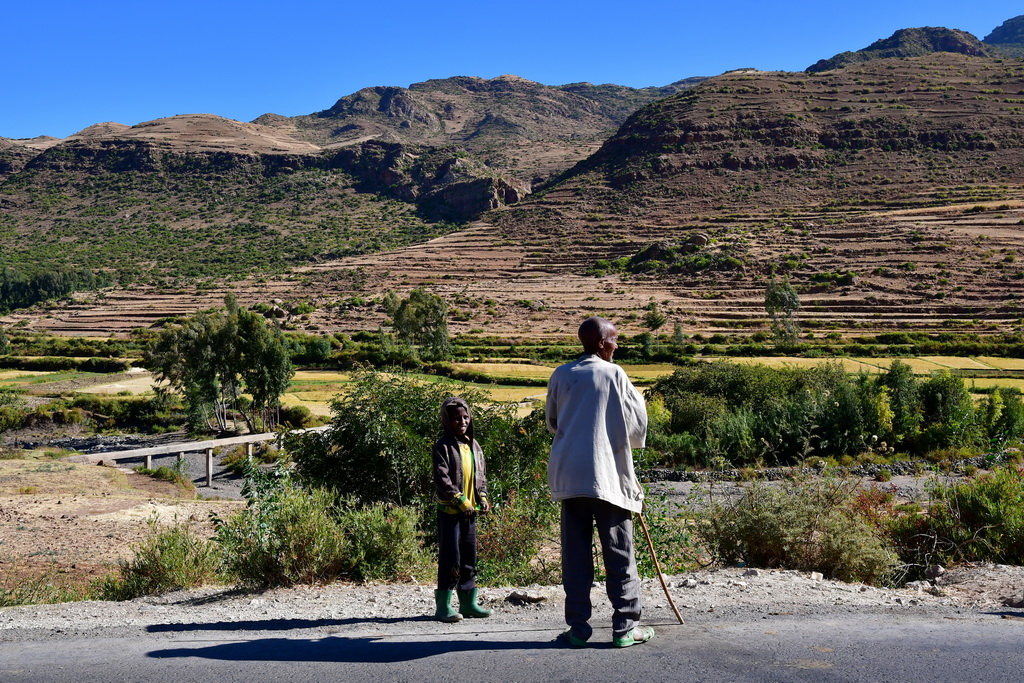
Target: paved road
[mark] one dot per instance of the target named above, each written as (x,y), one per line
(849,647)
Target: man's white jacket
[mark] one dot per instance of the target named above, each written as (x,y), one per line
(597,417)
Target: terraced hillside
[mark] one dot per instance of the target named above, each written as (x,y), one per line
(889,192)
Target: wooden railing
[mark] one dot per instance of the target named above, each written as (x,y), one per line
(184,447)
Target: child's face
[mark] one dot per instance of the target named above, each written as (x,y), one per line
(460,420)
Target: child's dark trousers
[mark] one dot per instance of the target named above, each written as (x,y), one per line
(456,561)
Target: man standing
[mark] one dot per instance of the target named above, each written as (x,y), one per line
(597,417)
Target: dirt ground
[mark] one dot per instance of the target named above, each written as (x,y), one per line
(73,522)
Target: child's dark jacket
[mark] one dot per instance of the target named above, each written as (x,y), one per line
(448,474)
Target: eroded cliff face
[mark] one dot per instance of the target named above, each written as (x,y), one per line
(159,161)
(13,157)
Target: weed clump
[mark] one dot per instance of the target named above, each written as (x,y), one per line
(169,559)
(803,525)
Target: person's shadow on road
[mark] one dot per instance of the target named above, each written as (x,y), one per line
(378,650)
(274,624)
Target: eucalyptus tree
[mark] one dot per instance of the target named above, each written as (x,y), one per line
(420,321)
(780,303)
(214,358)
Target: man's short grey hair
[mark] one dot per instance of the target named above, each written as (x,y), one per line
(593,330)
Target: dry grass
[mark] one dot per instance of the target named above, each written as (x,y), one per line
(1002,363)
(136,386)
(510,393)
(507,369)
(52,477)
(321,375)
(849,364)
(9,374)
(956,363)
(648,372)
(990,382)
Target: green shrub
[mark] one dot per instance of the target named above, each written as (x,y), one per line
(383,543)
(746,414)
(285,536)
(509,539)
(299,417)
(671,535)
(237,459)
(169,559)
(808,526)
(948,412)
(12,410)
(975,520)
(175,474)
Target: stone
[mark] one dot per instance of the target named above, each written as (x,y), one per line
(816,576)
(524,598)
(752,572)
(690,583)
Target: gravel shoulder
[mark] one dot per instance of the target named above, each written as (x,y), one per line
(703,597)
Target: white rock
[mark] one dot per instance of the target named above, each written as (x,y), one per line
(816,576)
(752,572)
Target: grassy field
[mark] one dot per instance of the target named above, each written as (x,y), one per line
(316,388)
(921,365)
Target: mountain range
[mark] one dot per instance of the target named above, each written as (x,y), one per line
(844,179)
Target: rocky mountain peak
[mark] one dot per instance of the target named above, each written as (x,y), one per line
(1010,31)
(909,42)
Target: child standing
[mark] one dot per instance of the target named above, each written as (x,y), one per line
(461,484)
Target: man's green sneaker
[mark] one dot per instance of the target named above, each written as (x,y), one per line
(640,634)
(567,638)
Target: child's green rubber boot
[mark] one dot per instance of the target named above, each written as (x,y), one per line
(468,606)
(444,612)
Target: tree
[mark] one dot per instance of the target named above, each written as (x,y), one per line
(213,356)
(5,345)
(780,303)
(678,336)
(654,319)
(421,320)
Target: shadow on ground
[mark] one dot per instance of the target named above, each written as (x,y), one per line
(371,649)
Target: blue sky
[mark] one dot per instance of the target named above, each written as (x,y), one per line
(69,64)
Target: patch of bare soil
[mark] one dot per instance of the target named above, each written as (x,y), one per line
(984,585)
(72,385)
(73,522)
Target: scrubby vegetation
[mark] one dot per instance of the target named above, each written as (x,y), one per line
(978,519)
(378,452)
(809,526)
(169,559)
(726,415)
(289,535)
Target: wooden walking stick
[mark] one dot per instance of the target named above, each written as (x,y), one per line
(657,566)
